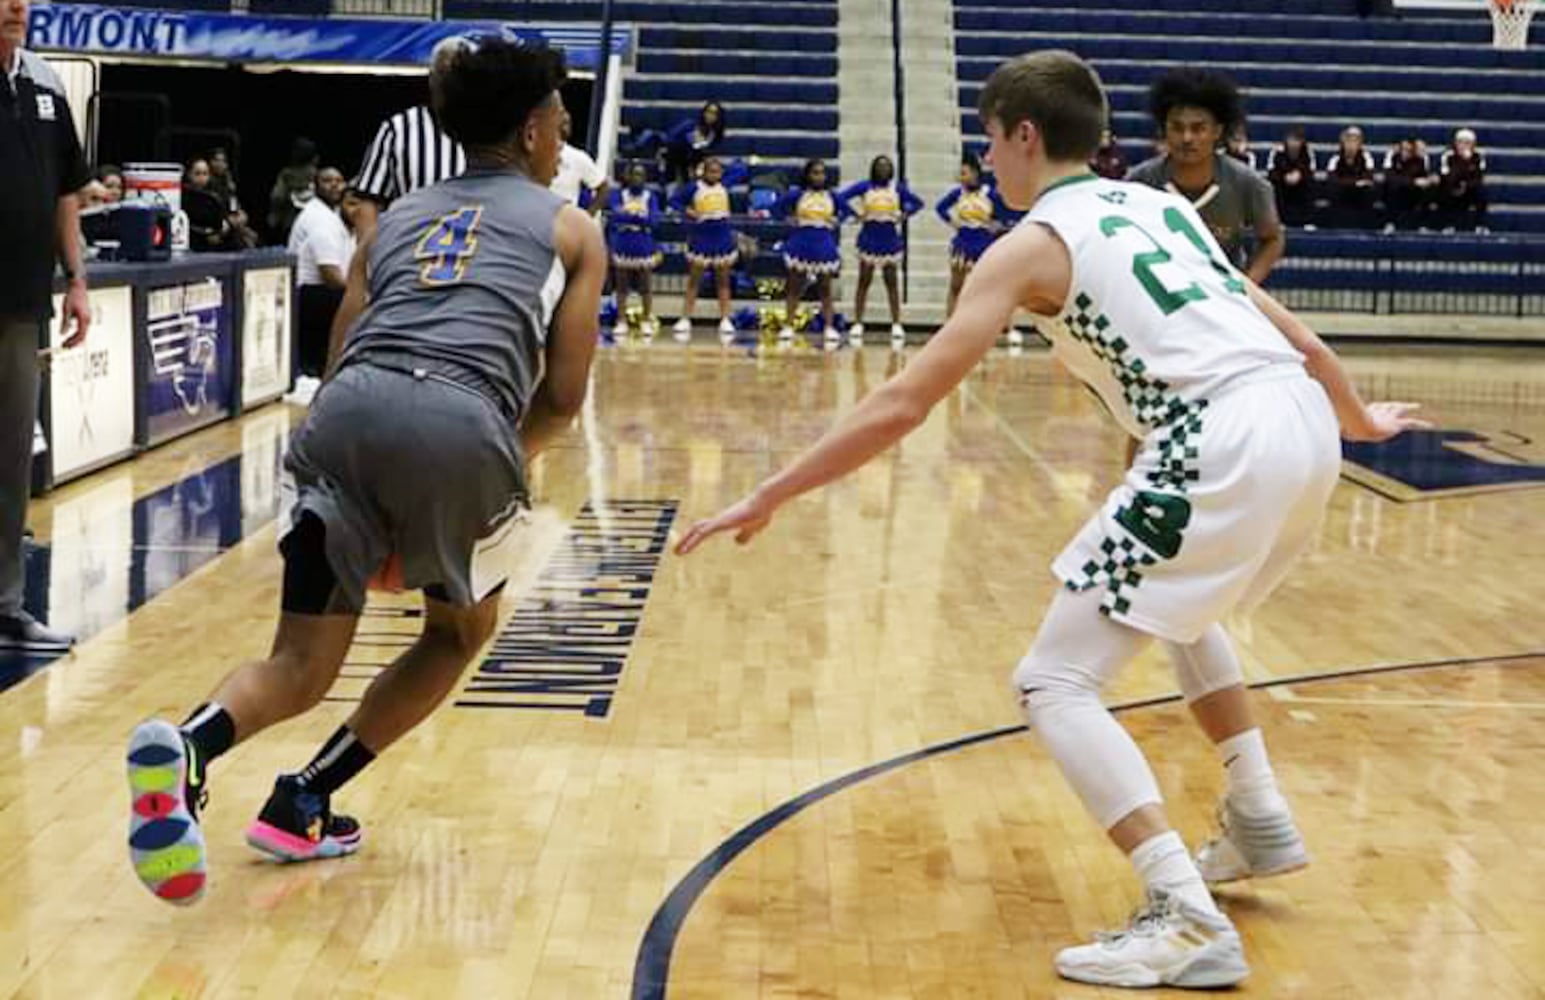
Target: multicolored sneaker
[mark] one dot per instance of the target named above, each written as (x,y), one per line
(297,825)
(166,791)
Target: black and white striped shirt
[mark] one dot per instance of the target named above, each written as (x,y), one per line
(408,152)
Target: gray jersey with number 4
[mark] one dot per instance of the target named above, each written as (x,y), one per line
(1156,319)
(464,274)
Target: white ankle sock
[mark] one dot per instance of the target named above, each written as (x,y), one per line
(1163,862)
(1252,787)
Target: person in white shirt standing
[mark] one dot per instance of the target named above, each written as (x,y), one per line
(322,241)
(578,172)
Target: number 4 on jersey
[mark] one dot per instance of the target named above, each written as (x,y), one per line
(448,245)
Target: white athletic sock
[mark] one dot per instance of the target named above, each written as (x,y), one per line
(1163,862)
(1252,787)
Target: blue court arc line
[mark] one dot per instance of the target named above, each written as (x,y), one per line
(651,969)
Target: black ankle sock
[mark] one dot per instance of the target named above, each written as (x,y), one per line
(211,730)
(341,758)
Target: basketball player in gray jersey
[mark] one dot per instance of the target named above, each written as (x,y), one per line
(472,349)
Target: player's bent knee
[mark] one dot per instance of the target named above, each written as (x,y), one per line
(1040,683)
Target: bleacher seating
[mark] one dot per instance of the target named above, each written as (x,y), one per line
(1318,66)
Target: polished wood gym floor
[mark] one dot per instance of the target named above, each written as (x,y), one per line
(706,828)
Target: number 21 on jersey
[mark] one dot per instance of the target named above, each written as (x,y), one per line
(448,245)
(1166,298)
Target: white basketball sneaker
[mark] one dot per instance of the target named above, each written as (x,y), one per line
(1168,943)
(683,326)
(898,337)
(726,331)
(1251,846)
(856,334)
(1016,338)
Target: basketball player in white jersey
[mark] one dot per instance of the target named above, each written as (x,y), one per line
(1236,404)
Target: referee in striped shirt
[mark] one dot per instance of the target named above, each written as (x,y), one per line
(409,152)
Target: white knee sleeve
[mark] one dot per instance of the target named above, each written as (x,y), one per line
(1059,682)
(1206,665)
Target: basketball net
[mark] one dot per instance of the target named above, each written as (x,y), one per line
(1510,23)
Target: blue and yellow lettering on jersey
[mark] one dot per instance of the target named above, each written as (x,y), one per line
(974,210)
(634,203)
(882,204)
(710,201)
(815,208)
(447,245)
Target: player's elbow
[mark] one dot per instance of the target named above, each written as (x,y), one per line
(903,412)
(566,400)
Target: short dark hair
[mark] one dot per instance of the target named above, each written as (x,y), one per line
(804,175)
(970,159)
(1193,87)
(490,87)
(1055,91)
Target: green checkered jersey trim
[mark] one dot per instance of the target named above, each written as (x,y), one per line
(1177,422)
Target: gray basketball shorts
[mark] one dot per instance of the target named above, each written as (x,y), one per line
(416,465)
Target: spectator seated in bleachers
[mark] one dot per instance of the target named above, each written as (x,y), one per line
(1410,186)
(1352,182)
(1109,161)
(1463,184)
(1195,108)
(1238,148)
(209,228)
(685,144)
(222,184)
(1291,171)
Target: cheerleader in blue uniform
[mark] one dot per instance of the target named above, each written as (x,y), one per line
(632,212)
(883,203)
(810,250)
(710,243)
(977,213)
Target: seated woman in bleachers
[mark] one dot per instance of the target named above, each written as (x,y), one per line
(632,211)
(1353,183)
(1237,145)
(710,243)
(1292,175)
(977,213)
(686,144)
(1463,175)
(883,203)
(1410,186)
(810,250)
(209,228)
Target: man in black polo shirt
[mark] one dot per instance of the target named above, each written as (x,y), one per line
(41,168)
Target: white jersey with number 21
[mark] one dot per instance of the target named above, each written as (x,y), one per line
(1156,319)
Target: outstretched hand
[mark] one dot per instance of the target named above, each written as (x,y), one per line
(746,518)
(1387,420)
